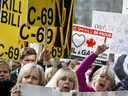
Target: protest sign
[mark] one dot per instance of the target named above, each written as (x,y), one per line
(64,34)
(36,90)
(45,13)
(118,25)
(66,94)
(107,93)
(85,40)
(33,34)
(57,36)
(10,47)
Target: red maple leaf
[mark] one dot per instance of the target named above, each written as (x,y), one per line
(91,42)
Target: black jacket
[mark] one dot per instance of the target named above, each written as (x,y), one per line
(5,87)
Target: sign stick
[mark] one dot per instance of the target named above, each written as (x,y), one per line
(39,51)
(55,66)
(45,43)
(10,63)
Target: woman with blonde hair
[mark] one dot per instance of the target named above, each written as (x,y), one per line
(30,74)
(103,78)
(65,78)
(49,74)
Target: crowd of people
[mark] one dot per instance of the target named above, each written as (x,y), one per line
(69,77)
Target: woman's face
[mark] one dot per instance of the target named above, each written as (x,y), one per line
(102,83)
(31,78)
(66,83)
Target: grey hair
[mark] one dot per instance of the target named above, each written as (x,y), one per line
(104,70)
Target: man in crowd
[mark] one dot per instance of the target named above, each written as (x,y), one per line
(28,55)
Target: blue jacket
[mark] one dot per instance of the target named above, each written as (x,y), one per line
(124,84)
(14,74)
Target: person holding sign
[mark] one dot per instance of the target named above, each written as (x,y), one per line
(29,74)
(66,79)
(103,78)
(28,55)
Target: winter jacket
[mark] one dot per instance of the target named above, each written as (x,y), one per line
(119,70)
(5,87)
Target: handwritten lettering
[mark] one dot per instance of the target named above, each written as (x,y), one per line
(125,31)
(119,48)
(100,27)
(112,19)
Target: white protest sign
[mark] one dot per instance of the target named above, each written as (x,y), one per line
(95,94)
(116,23)
(125,7)
(107,93)
(66,94)
(118,93)
(81,94)
(85,41)
(34,46)
(34,90)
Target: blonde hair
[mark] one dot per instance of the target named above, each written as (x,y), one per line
(104,70)
(59,74)
(48,73)
(4,63)
(28,68)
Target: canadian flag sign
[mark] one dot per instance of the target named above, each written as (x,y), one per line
(85,40)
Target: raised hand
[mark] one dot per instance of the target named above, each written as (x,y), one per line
(47,56)
(101,48)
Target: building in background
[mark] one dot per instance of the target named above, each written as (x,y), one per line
(83,9)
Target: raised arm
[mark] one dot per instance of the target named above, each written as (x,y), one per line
(84,66)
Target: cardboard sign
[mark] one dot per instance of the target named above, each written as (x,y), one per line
(85,41)
(34,34)
(57,36)
(11,12)
(116,23)
(10,47)
(65,32)
(35,90)
(107,93)
(45,13)
(66,94)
